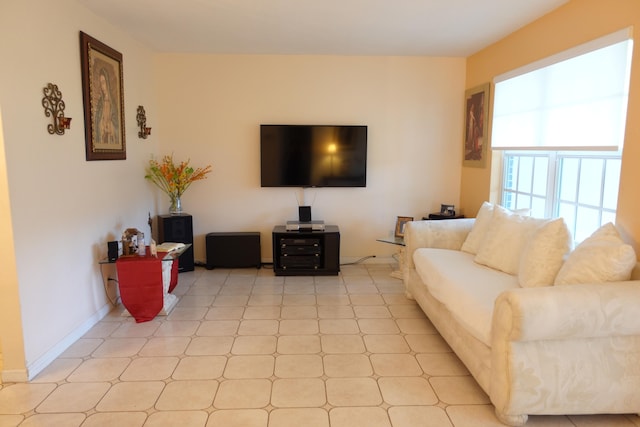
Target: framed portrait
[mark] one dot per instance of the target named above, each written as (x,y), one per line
(103,97)
(400,223)
(476,127)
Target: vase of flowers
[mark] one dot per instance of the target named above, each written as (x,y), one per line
(174,179)
(175,207)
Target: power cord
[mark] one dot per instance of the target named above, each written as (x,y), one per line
(359,260)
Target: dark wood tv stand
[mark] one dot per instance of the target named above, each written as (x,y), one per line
(306,252)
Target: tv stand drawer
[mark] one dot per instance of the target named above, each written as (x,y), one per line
(299,242)
(300,250)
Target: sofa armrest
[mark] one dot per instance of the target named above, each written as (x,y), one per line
(569,311)
(565,349)
(443,234)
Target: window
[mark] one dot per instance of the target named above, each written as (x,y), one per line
(560,123)
(581,187)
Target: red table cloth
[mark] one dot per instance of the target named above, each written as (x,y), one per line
(141,287)
(174,272)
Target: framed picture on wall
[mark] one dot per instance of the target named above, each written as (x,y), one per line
(400,223)
(103,96)
(476,127)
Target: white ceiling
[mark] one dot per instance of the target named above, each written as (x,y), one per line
(321,27)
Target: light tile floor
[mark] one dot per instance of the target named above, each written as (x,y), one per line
(244,348)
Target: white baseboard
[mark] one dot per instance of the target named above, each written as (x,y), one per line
(42,362)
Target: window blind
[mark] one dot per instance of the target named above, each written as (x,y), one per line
(575,100)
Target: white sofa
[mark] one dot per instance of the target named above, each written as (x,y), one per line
(533,347)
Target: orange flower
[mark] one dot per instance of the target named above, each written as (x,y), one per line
(174,180)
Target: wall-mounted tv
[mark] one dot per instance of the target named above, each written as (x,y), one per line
(313,156)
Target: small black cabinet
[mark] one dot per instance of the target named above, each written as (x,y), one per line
(306,252)
(233,249)
(178,228)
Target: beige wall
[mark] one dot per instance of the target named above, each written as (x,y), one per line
(211,107)
(61,209)
(572,24)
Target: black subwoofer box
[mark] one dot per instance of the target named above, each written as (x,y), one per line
(233,250)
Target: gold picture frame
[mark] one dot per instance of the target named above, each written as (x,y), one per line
(476,126)
(103,96)
(400,223)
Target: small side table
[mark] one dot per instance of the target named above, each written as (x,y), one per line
(398,241)
(145,283)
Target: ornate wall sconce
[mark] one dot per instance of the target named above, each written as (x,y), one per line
(142,123)
(54,107)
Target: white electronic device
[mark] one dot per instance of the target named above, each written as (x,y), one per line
(305,225)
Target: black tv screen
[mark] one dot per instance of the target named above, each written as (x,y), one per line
(313,156)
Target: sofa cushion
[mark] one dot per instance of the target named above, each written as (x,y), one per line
(543,255)
(506,237)
(479,229)
(467,289)
(602,257)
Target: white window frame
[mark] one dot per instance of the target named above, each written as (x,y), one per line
(552,198)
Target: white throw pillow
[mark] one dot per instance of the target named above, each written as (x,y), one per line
(479,229)
(506,237)
(543,255)
(602,257)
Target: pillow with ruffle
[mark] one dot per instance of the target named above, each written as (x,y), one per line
(543,255)
(506,237)
(479,229)
(602,257)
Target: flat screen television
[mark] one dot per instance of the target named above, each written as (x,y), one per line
(313,156)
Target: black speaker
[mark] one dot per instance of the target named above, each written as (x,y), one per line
(304,213)
(178,228)
(233,250)
(112,250)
